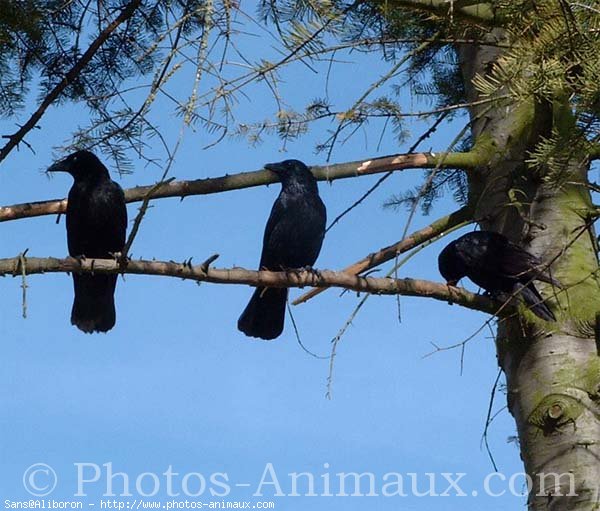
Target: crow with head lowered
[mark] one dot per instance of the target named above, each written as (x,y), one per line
(293,238)
(96,227)
(497,265)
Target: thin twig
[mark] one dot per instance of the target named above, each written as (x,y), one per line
(140,216)
(334,344)
(354,313)
(23,265)
(298,339)
(488,420)
(356,203)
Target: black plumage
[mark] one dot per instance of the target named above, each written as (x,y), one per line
(96,227)
(497,265)
(293,238)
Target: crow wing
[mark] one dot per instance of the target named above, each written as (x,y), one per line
(96,220)
(523,266)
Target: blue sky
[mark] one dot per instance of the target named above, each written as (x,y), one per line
(175,384)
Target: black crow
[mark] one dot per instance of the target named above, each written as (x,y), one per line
(293,238)
(497,265)
(96,226)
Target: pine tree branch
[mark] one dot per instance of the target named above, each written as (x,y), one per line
(476,12)
(594,153)
(16,138)
(17,266)
(461,217)
(465,161)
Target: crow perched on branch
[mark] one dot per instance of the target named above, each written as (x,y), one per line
(96,227)
(497,265)
(293,238)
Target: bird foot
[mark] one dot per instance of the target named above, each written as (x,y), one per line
(305,269)
(313,271)
(302,269)
(121,258)
(80,259)
(450,287)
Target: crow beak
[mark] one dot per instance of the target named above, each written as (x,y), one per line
(273,167)
(59,166)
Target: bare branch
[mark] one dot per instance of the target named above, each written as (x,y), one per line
(437,228)
(464,161)
(200,273)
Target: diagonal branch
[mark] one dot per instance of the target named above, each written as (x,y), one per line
(461,217)
(465,161)
(53,95)
(202,273)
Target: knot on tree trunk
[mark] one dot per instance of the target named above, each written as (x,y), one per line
(554,412)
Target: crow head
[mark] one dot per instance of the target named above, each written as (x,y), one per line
(292,172)
(451,265)
(82,165)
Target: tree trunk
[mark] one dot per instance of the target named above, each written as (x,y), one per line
(552,369)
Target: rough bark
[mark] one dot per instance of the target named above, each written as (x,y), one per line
(552,370)
(22,266)
(242,180)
